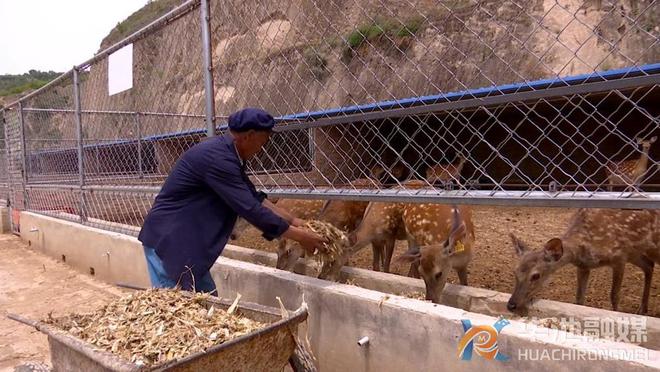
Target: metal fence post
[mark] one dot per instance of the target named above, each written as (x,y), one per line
(6,162)
(205,14)
(5,138)
(10,194)
(138,129)
(24,155)
(79,137)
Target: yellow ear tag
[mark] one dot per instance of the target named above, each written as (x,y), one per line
(459,246)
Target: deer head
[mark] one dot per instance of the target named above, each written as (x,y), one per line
(288,254)
(434,261)
(446,172)
(646,144)
(533,270)
(390,174)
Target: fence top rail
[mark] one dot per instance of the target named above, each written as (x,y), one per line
(504,198)
(531,198)
(170,16)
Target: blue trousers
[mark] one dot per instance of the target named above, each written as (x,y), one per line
(159,278)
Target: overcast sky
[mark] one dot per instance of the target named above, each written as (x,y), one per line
(56,34)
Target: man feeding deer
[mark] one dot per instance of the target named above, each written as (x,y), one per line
(194,213)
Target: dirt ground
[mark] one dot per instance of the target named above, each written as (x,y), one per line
(33,285)
(494,259)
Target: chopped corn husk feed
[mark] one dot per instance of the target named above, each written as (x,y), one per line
(154,326)
(337,240)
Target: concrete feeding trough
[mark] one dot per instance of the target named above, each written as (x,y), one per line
(368,326)
(477,300)
(265,349)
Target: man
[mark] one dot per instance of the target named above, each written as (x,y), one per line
(195,211)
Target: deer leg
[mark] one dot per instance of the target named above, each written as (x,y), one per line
(582,280)
(377,250)
(617,278)
(413,272)
(647,267)
(462,275)
(389,251)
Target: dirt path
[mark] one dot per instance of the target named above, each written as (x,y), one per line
(32,284)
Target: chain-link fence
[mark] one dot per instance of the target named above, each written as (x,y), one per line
(527,102)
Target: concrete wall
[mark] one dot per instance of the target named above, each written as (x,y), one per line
(405,334)
(114,257)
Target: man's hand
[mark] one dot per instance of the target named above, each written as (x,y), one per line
(308,240)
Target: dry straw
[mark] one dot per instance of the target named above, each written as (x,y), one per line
(154,326)
(337,240)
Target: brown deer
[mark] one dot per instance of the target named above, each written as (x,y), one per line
(343,214)
(301,208)
(446,173)
(443,238)
(594,238)
(630,172)
(391,175)
(304,209)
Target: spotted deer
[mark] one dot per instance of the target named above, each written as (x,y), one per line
(630,172)
(419,224)
(343,214)
(594,238)
(381,226)
(347,215)
(446,173)
(443,238)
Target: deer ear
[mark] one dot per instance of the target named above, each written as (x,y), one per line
(639,140)
(553,249)
(412,255)
(653,139)
(519,245)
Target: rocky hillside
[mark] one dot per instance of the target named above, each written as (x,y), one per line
(300,55)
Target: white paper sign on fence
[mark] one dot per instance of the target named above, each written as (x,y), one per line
(120,70)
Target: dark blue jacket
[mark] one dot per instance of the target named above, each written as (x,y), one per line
(196,209)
